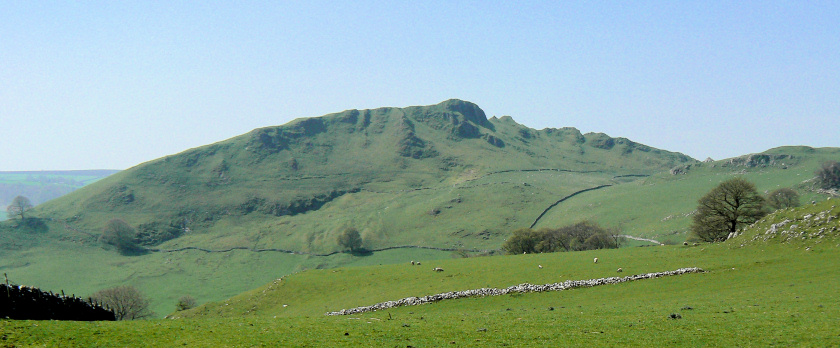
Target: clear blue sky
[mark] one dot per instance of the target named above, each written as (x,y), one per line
(92,85)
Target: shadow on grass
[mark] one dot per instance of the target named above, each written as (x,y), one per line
(361,252)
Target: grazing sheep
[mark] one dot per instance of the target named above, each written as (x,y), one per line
(412,262)
(596,260)
(437,269)
(418,263)
(540,266)
(619,270)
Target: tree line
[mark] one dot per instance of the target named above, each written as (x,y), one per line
(584,235)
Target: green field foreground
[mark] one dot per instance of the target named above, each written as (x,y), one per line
(755,292)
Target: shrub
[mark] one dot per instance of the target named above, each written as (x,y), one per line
(118,233)
(829,175)
(783,198)
(125,301)
(184,303)
(350,239)
(585,235)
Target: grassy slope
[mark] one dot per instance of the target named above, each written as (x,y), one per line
(761,293)
(223,192)
(457,198)
(660,206)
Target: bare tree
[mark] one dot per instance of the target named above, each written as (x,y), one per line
(726,208)
(783,198)
(125,301)
(20,205)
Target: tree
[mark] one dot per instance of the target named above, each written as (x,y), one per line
(584,235)
(350,239)
(783,198)
(726,208)
(118,233)
(523,240)
(184,303)
(829,175)
(20,205)
(125,301)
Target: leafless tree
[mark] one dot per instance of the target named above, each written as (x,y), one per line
(125,301)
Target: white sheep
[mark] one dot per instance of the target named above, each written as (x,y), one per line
(619,270)
(437,269)
(596,260)
(540,266)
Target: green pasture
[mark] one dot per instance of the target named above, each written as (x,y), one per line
(773,293)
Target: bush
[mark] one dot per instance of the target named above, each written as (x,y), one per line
(523,240)
(783,198)
(583,235)
(125,301)
(184,303)
(829,175)
(350,239)
(118,233)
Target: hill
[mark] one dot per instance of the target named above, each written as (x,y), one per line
(443,175)
(754,291)
(224,218)
(42,186)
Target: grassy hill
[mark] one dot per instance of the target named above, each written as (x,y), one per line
(768,286)
(442,176)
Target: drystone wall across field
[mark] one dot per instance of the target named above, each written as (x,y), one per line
(521,288)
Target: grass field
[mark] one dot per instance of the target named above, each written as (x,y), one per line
(778,292)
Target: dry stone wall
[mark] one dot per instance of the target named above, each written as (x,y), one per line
(521,288)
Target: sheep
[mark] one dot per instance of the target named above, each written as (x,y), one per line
(540,266)
(412,262)
(596,260)
(619,270)
(437,269)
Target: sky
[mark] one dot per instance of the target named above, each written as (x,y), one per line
(112,84)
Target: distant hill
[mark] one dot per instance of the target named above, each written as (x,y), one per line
(42,186)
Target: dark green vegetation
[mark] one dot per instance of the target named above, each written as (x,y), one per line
(585,235)
(769,286)
(728,207)
(215,219)
(829,175)
(41,186)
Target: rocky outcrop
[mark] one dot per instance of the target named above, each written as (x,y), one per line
(521,288)
(759,160)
